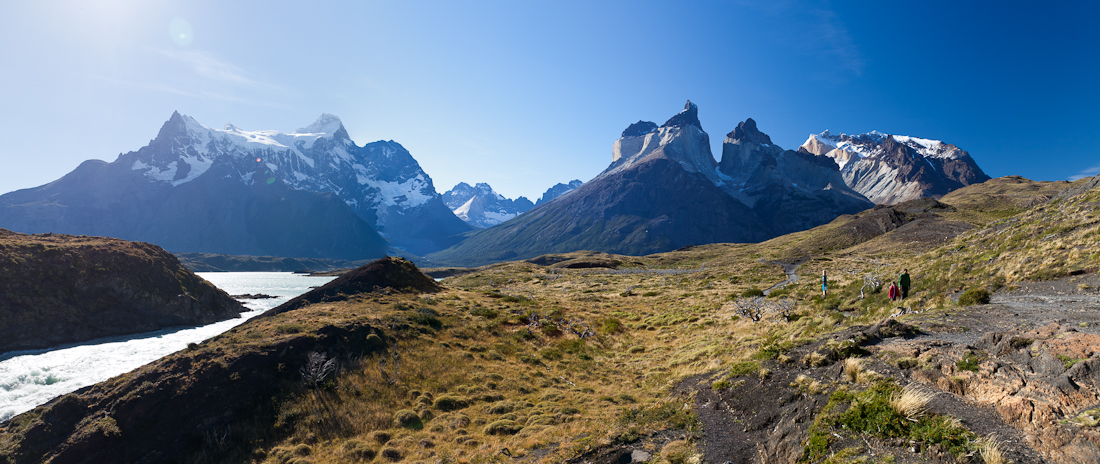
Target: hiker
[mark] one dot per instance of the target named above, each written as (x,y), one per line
(893,293)
(904,281)
(824,284)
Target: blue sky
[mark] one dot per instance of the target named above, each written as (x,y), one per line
(524,95)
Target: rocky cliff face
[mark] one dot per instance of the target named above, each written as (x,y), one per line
(558,190)
(790,191)
(661,192)
(480,206)
(62,289)
(890,169)
(664,190)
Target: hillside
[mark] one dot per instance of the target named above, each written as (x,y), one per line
(595,357)
(61,289)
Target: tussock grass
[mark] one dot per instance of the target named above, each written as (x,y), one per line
(912,401)
(991,451)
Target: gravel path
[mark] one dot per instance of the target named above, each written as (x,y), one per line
(792,277)
(1070,302)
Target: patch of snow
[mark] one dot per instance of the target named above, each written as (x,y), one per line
(412,190)
(327,123)
(165,175)
(463,212)
(494,218)
(198,164)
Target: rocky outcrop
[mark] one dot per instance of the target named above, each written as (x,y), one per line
(790,191)
(385,275)
(62,289)
(190,402)
(891,169)
(1038,380)
(560,189)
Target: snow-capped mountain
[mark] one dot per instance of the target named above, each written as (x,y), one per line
(657,195)
(482,207)
(380,181)
(200,168)
(558,190)
(664,190)
(890,169)
(789,190)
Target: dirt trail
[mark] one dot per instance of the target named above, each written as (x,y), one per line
(792,277)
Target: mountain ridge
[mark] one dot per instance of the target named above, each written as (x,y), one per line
(293,179)
(664,190)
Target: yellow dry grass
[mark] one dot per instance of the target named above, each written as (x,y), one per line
(991,451)
(912,401)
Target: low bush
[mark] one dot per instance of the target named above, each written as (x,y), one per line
(450,403)
(503,427)
(752,293)
(407,418)
(974,296)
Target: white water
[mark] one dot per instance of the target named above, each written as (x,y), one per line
(34,377)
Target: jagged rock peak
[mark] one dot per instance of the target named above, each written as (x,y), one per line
(640,128)
(327,123)
(747,131)
(688,117)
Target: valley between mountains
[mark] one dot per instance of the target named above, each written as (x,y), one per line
(668,310)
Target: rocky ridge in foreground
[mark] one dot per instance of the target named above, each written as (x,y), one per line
(63,289)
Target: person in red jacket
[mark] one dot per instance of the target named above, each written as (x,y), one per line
(893,293)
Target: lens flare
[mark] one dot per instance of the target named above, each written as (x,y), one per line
(257,160)
(180,31)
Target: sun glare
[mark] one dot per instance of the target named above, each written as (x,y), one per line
(180,31)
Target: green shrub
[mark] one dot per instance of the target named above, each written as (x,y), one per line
(450,403)
(407,418)
(482,311)
(1067,361)
(551,354)
(752,293)
(969,362)
(744,368)
(359,450)
(428,320)
(870,412)
(503,427)
(974,296)
(611,325)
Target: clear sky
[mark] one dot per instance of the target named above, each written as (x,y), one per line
(526,94)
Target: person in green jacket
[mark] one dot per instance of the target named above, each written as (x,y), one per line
(904,283)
